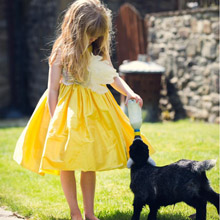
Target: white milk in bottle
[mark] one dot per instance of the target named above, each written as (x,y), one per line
(134,114)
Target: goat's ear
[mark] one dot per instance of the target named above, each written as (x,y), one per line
(130,163)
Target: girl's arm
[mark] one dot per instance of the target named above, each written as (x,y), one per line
(121,86)
(54,85)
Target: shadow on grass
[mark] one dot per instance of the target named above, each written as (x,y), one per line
(117,215)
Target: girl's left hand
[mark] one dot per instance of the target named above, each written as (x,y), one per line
(134,96)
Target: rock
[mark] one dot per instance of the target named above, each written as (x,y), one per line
(204,90)
(151,21)
(180,73)
(154,51)
(198,79)
(163,92)
(193,85)
(201,61)
(215,110)
(217,120)
(202,114)
(207,27)
(214,87)
(206,98)
(214,97)
(209,49)
(191,49)
(186,20)
(212,118)
(207,105)
(184,100)
(173,30)
(194,100)
(151,35)
(180,62)
(169,107)
(214,69)
(190,110)
(163,101)
(184,32)
(180,47)
(215,29)
(199,27)
(193,23)
(174,80)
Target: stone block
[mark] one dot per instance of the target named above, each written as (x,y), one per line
(193,23)
(215,98)
(212,118)
(184,32)
(186,20)
(201,61)
(200,27)
(215,110)
(193,85)
(190,110)
(184,100)
(206,98)
(217,120)
(203,90)
(180,73)
(174,80)
(191,49)
(209,49)
(202,114)
(207,105)
(207,29)
(215,29)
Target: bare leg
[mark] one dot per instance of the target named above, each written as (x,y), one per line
(68,183)
(88,180)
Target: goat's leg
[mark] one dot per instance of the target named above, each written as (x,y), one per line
(153,213)
(201,210)
(138,205)
(211,196)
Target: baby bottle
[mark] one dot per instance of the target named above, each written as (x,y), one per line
(135,116)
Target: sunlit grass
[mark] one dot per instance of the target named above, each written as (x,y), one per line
(42,198)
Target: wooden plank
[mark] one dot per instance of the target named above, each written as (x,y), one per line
(130,34)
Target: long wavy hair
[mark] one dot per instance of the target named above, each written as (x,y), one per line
(84,19)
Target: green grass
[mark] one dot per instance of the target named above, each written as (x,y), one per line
(42,198)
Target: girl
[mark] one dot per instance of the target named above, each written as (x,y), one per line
(77,124)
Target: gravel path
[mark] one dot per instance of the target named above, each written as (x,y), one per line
(8,215)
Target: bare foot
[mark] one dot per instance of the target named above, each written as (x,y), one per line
(76,217)
(91,218)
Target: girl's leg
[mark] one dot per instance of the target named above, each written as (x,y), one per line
(88,181)
(68,183)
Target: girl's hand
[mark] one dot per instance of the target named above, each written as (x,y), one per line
(134,96)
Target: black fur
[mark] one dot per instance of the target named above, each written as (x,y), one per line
(182,181)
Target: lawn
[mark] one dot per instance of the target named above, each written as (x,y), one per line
(39,197)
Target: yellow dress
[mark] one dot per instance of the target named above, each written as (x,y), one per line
(88,131)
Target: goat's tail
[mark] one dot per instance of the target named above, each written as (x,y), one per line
(202,166)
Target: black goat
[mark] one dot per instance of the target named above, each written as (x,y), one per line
(182,181)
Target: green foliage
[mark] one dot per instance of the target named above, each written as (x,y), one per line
(41,197)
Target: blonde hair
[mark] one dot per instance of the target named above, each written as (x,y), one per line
(84,19)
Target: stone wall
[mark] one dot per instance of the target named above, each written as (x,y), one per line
(187,44)
(5,94)
(40,26)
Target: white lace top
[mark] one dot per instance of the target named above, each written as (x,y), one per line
(100,74)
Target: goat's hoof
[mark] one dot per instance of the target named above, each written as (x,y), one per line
(193,216)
